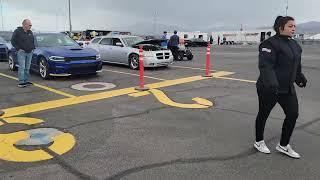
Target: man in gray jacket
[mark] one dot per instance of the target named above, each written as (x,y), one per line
(174,45)
(23,41)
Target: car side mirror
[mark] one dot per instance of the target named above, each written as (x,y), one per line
(119,44)
(80,43)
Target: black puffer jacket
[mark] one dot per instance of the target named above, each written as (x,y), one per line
(23,40)
(280,65)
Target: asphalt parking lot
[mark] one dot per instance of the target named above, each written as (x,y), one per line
(186,127)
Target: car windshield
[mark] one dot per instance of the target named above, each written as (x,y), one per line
(6,36)
(2,41)
(52,40)
(130,41)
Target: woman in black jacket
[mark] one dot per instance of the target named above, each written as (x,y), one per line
(280,68)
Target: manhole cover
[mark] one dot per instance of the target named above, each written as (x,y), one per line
(93,86)
(41,136)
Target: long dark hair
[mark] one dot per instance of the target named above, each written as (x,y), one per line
(280,22)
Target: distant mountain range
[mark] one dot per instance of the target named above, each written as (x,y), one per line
(312,27)
(144,28)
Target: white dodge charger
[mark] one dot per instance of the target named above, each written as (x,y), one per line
(124,49)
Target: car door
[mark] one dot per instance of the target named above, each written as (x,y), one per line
(34,61)
(105,49)
(119,51)
(94,44)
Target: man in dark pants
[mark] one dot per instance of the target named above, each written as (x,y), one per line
(173,45)
(280,67)
(23,41)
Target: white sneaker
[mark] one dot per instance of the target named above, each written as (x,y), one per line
(288,151)
(262,147)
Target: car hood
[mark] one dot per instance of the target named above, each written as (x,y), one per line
(151,41)
(150,45)
(68,51)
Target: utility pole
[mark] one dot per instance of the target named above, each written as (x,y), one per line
(287,7)
(2,15)
(70,25)
(155,22)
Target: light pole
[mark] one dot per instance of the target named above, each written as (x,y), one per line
(70,26)
(287,7)
(2,16)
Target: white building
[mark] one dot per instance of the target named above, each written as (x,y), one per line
(191,35)
(247,36)
(315,37)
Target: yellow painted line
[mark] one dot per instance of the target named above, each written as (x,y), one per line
(42,87)
(186,80)
(23,120)
(63,143)
(10,153)
(186,67)
(163,98)
(149,77)
(53,90)
(10,77)
(139,94)
(16,111)
(235,79)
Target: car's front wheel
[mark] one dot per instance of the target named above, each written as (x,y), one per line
(44,69)
(134,61)
(12,64)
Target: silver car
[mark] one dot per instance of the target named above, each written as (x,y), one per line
(124,49)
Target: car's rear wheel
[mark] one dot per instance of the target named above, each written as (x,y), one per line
(189,55)
(12,64)
(180,55)
(44,68)
(134,61)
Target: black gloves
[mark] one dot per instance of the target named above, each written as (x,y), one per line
(302,81)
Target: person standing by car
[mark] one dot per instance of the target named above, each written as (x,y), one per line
(23,41)
(174,45)
(164,39)
(280,67)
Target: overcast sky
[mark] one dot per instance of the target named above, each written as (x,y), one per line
(192,14)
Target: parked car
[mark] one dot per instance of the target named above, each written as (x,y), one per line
(5,44)
(3,49)
(124,49)
(196,42)
(56,54)
(183,51)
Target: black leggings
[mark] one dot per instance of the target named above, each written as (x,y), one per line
(289,104)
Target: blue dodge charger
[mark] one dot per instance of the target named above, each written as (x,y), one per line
(56,54)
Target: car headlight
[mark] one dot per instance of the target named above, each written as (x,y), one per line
(98,57)
(57,58)
(147,54)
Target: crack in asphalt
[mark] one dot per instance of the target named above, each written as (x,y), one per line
(309,132)
(118,117)
(67,166)
(180,161)
(244,154)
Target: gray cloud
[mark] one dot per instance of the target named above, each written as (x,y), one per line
(193,15)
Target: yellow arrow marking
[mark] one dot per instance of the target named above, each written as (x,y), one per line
(16,111)
(201,103)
